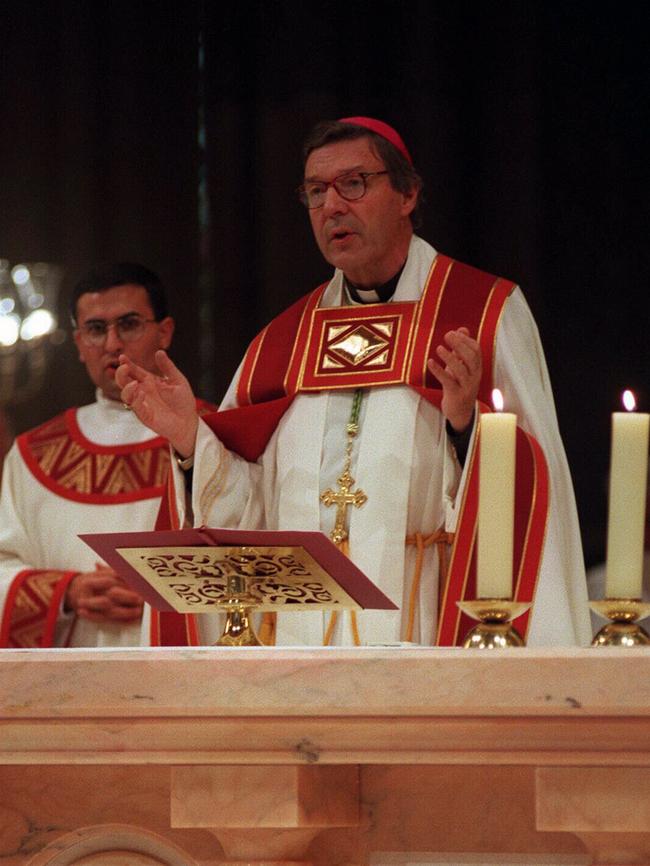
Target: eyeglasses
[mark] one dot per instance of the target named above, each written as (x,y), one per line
(128,328)
(351,187)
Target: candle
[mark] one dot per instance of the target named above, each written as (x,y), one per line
(628,477)
(497,439)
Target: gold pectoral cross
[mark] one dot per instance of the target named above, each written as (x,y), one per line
(343,498)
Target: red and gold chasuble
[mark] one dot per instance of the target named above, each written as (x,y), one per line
(61,458)
(310,348)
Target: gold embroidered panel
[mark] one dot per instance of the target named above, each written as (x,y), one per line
(194,579)
(350,348)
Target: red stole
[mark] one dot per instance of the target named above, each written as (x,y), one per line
(309,348)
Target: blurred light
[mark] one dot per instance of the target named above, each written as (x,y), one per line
(35,300)
(628,401)
(37,324)
(20,275)
(9,329)
(28,327)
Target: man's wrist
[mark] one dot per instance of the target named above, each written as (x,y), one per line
(184,463)
(459,425)
(184,445)
(460,440)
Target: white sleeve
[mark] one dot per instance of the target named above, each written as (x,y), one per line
(226,489)
(454,486)
(14,523)
(560,613)
(19,550)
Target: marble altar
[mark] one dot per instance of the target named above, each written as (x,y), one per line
(199,757)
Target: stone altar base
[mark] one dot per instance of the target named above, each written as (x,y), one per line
(323,757)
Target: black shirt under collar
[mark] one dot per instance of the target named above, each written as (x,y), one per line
(378,295)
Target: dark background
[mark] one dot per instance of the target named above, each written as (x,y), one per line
(170,133)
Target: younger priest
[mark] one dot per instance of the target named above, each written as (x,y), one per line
(93,469)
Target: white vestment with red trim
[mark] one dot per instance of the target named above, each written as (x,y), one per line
(39,529)
(403,461)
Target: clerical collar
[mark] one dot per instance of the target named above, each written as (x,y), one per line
(379,295)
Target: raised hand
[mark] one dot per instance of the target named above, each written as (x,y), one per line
(460,377)
(163,401)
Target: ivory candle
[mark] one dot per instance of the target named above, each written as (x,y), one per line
(628,477)
(497,440)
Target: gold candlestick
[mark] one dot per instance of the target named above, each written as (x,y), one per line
(622,628)
(495,629)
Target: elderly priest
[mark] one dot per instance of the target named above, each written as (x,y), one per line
(356,412)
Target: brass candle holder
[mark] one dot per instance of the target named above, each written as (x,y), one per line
(495,629)
(622,628)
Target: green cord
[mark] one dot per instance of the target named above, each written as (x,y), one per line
(353,423)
